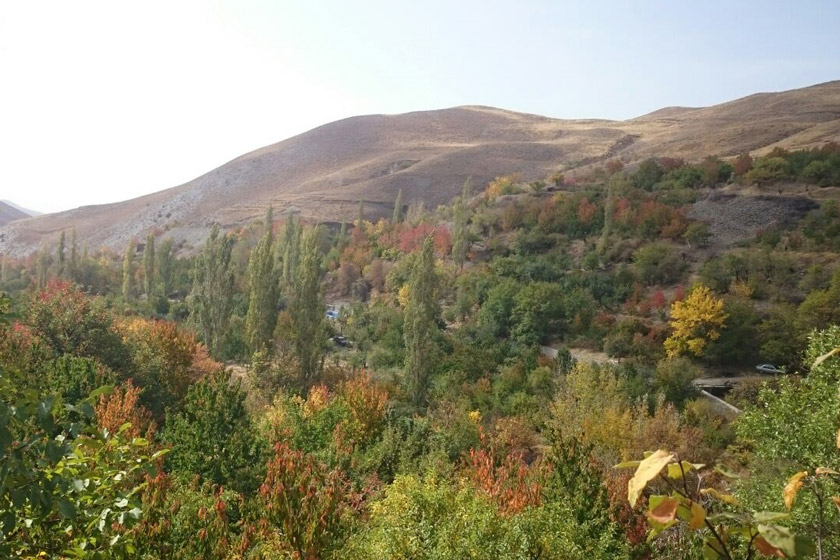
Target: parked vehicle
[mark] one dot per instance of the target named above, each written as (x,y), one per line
(342,341)
(768,368)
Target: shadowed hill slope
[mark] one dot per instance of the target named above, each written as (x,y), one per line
(9,213)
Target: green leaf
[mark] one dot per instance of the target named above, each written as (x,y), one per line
(103,390)
(160,453)
(54,451)
(676,470)
(769,516)
(66,509)
(784,539)
(728,516)
(121,503)
(710,549)
(726,471)
(86,409)
(18,497)
(6,439)
(627,465)
(8,519)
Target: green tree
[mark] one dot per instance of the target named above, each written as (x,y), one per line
(537,312)
(360,221)
(67,489)
(674,378)
(657,263)
(341,239)
(460,237)
(73,263)
(781,341)
(61,255)
(736,344)
(128,272)
(495,314)
(697,234)
(42,268)
(212,436)
(211,298)
(420,326)
(767,170)
(609,214)
(149,267)
(291,251)
(793,428)
(821,308)
(308,311)
(648,174)
(397,216)
(166,266)
(263,283)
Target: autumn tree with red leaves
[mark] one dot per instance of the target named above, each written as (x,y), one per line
(304,503)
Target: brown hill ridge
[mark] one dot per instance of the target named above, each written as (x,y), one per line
(324,173)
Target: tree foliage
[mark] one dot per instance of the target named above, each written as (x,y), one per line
(695,322)
(308,311)
(420,323)
(212,290)
(263,297)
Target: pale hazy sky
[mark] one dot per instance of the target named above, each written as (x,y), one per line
(106,100)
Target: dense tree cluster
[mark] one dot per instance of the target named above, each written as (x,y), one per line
(449,383)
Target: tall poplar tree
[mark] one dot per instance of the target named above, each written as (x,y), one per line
(42,269)
(341,240)
(291,251)
(211,298)
(308,311)
(420,324)
(460,237)
(128,272)
(149,279)
(165,266)
(263,284)
(73,263)
(396,217)
(62,248)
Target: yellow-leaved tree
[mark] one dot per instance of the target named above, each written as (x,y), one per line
(695,321)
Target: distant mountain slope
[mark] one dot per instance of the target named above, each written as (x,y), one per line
(10,213)
(323,173)
(26,211)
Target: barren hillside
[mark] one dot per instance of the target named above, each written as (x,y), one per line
(323,173)
(9,213)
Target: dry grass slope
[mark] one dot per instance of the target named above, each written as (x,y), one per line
(323,173)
